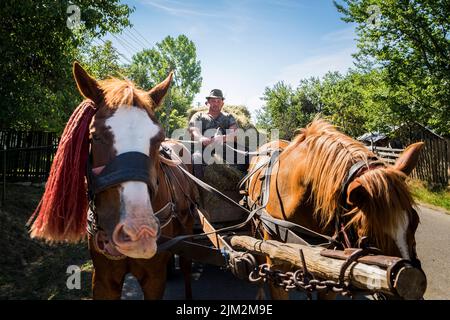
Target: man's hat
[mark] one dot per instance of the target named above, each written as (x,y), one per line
(216,93)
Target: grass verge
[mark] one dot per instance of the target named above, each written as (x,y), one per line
(437,197)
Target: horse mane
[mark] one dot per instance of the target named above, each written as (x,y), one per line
(62,211)
(330,154)
(119,92)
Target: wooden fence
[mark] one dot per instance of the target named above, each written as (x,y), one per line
(433,161)
(26,156)
(432,166)
(389,155)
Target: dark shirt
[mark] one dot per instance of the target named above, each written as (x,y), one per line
(202,118)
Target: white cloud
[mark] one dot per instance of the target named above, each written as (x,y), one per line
(316,66)
(179,8)
(290,4)
(347,34)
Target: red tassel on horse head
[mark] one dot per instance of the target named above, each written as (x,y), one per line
(62,211)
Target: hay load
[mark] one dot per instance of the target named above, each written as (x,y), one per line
(223,176)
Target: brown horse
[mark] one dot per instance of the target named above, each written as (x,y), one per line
(311,186)
(136,193)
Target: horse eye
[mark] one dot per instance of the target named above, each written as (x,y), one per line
(95,137)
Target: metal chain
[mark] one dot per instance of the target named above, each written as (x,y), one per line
(297,280)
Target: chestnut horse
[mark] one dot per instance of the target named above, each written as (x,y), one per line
(136,194)
(310,185)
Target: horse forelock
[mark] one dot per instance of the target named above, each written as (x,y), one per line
(124,92)
(388,209)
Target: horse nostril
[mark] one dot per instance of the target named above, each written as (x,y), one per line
(123,234)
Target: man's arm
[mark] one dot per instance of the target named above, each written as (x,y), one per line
(231,134)
(197,136)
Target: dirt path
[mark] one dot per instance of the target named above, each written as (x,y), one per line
(433,249)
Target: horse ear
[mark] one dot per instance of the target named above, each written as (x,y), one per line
(356,193)
(159,91)
(86,84)
(409,158)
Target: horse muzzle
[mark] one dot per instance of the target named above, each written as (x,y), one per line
(136,241)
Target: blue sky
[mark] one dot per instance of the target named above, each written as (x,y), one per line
(247,45)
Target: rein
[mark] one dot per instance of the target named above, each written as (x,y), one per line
(285,228)
(245,153)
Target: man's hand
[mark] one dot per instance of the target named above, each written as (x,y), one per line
(219,139)
(205,141)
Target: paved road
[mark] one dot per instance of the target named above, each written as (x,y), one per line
(211,283)
(433,249)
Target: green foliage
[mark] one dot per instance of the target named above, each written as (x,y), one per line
(357,102)
(101,61)
(172,114)
(411,42)
(283,110)
(38,50)
(151,66)
(403,73)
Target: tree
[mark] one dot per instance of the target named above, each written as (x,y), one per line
(37,52)
(151,66)
(410,41)
(355,102)
(101,61)
(279,110)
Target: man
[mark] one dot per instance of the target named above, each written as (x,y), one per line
(211,127)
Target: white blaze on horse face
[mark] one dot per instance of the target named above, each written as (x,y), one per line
(400,236)
(133,130)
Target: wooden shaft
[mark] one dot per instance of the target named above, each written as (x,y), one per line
(409,282)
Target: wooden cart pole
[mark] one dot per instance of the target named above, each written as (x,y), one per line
(408,282)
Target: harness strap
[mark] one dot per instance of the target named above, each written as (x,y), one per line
(265,188)
(249,153)
(165,214)
(129,166)
(281,224)
(257,167)
(246,153)
(170,243)
(286,232)
(355,169)
(353,172)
